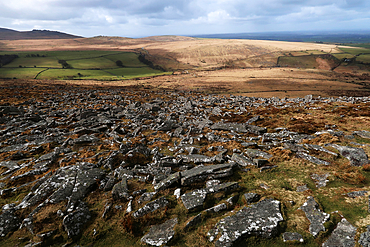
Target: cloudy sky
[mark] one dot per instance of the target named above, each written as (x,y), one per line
(138,18)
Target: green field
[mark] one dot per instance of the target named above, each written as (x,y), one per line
(45,62)
(23,73)
(100,65)
(355,51)
(342,55)
(363,58)
(298,62)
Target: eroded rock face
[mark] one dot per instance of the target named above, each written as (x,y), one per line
(160,234)
(206,172)
(260,219)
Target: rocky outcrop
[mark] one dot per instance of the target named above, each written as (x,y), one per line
(74,161)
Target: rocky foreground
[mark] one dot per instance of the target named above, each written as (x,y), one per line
(113,167)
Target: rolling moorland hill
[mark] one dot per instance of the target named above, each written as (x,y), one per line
(9,34)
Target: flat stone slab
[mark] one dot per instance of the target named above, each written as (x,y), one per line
(203,173)
(196,220)
(194,199)
(316,217)
(254,153)
(159,235)
(319,148)
(197,158)
(216,209)
(170,180)
(317,161)
(241,160)
(260,219)
(151,207)
(343,235)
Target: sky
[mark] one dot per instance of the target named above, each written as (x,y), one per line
(141,18)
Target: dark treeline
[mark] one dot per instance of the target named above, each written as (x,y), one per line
(5,59)
(144,60)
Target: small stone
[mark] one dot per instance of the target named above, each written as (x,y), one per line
(292,237)
(302,188)
(129,207)
(320,180)
(251,197)
(177,193)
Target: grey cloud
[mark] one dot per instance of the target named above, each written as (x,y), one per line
(159,16)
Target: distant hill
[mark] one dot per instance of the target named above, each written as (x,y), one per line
(9,34)
(354,37)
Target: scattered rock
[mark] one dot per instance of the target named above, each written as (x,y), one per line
(302,188)
(120,190)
